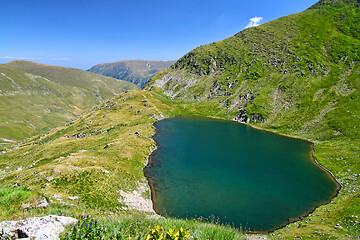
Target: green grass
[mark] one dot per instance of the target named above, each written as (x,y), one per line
(35,98)
(83,163)
(133,226)
(11,200)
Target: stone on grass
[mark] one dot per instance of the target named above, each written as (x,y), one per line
(39,203)
(40,228)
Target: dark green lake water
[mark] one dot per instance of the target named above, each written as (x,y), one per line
(228,172)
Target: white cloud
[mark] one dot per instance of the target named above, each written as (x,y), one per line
(61,59)
(255,21)
(22,58)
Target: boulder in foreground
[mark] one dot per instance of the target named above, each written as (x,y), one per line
(40,228)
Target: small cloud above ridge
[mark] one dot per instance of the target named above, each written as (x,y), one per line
(255,21)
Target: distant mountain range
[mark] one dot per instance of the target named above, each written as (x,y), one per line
(135,71)
(35,97)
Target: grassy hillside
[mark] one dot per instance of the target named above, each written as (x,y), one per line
(94,166)
(36,97)
(95,83)
(135,71)
(298,75)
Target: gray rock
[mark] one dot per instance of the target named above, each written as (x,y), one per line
(73,198)
(42,203)
(40,228)
(49,179)
(26,206)
(257,117)
(241,116)
(337,226)
(39,203)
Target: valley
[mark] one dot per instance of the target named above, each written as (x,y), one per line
(36,98)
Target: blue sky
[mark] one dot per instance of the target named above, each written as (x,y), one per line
(82,33)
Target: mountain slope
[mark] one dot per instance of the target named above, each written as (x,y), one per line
(135,71)
(299,76)
(107,86)
(36,97)
(274,72)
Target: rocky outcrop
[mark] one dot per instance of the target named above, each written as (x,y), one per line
(242,116)
(39,228)
(257,117)
(217,91)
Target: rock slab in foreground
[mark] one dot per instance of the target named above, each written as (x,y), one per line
(39,228)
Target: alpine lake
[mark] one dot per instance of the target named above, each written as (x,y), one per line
(229,173)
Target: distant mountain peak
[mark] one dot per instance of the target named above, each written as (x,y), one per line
(136,71)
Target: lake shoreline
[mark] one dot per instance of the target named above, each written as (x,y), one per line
(314,160)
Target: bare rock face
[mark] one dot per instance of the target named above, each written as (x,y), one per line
(39,228)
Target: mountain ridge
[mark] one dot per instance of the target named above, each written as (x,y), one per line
(324,3)
(37,97)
